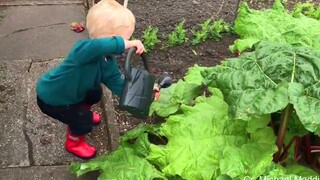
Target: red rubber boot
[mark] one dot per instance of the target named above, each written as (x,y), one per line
(95,116)
(78,146)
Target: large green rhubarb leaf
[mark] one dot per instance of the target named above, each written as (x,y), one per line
(302,171)
(138,139)
(275,25)
(128,161)
(203,136)
(182,92)
(276,171)
(268,79)
(172,97)
(251,159)
(193,75)
(120,164)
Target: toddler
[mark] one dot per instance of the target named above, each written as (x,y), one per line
(68,91)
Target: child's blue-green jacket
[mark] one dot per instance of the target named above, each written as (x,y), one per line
(85,67)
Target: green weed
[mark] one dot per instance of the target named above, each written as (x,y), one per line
(2,13)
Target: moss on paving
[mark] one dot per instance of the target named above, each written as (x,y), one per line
(2,13)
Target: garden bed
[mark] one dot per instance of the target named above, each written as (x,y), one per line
(165,15)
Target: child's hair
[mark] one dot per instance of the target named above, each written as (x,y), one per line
(108,17)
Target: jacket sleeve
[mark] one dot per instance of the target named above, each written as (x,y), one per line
(88,50)
(114,82)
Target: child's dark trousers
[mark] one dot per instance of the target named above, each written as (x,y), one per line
(76,116)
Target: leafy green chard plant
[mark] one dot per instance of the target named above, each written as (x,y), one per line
(150,38)
(209,30)
(178,36)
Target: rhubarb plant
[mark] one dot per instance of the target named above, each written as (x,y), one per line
(200,142)
(274,77)
(275,24)
(203,142)
(196,148)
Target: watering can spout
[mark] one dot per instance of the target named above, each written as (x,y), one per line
(165,81)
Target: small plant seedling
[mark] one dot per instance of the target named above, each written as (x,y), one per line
(218,27)
(202,34)
(178,36)
(308,9)
(150,38)
(210,30)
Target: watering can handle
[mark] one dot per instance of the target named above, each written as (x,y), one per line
(127,68)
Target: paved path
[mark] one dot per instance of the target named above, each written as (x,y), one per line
(38,32)
(32,40)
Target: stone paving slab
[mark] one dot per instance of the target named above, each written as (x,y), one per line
(43,173)
(30,138)
(46,135)
(39,32)
(37,2)
(13,94)
(31,40)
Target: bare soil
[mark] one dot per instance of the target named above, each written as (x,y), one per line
(165,15)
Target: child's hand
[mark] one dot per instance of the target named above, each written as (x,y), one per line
(134,43)
(156,93)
